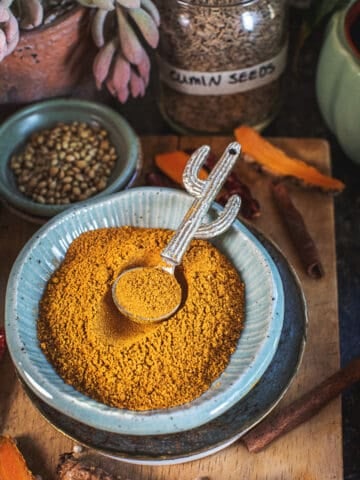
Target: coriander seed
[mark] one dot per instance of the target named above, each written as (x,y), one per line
(64,164)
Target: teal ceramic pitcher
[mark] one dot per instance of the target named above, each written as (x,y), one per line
(338,78)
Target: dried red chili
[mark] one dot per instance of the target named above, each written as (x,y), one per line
(159,180)
(2,343)
(250,207)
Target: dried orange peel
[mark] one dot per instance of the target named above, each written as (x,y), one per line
(173,165)
(12,463)
(274,161)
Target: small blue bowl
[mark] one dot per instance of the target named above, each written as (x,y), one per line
(15,131)
(152,208)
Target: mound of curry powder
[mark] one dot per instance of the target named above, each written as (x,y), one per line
(128,365)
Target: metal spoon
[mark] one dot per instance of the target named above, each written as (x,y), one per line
(205,192)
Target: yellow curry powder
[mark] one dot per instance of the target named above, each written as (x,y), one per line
(139,366)
(148,293)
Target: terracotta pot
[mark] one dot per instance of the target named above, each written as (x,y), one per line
(48,61)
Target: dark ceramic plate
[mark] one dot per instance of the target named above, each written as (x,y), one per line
(228,427)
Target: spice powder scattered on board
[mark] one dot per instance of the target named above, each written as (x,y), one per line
(129,365)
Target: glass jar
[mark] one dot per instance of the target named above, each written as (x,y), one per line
(221,63)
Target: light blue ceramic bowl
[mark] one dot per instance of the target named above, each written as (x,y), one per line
(143,207)
(15,131)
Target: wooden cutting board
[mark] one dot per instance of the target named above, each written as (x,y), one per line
(311,452)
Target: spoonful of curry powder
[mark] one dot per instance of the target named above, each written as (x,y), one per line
(131,290)
(147,294)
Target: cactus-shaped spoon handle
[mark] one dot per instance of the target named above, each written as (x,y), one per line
(205,192)
(139,307)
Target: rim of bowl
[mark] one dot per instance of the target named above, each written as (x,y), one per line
(99,113)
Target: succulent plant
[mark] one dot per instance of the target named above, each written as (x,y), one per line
(9,29)
(121,29)
(122,62)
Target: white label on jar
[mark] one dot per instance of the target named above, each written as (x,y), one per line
(223,83)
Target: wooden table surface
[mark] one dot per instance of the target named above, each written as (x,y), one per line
(311,452)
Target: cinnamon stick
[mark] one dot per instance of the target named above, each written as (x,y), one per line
(302,409)
(298,231)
